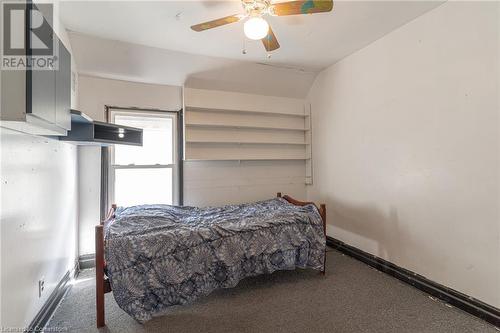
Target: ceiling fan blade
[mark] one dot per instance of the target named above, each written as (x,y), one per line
(270,42)
(302,7)
(218,22)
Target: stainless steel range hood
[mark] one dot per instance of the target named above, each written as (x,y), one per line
(85,131)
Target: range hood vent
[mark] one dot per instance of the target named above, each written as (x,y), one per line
(85,131)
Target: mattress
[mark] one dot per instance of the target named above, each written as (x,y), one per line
(159,256)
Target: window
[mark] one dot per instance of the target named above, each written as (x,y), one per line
(147,174)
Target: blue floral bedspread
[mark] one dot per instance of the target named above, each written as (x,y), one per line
(159,256)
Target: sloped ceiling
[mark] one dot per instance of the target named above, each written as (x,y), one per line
(150,41)
(132,62)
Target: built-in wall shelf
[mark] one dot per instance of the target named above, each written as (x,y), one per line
(253,112)
(248,159)
(228,126)
(222,126)
(246,142)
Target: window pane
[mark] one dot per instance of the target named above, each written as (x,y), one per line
(157,141)
(143,186)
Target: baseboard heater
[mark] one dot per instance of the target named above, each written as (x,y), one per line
(85,131)
(455,298)
(43,316)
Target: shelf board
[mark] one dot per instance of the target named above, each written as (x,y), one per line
(246,142)
(246,159)
(270,113)
(246,127)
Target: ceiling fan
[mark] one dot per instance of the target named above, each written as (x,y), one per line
(256,27)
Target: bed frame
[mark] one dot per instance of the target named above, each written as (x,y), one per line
(103,286)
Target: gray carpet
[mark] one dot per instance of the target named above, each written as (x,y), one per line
(352,297)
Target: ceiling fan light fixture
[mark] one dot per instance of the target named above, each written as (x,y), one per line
(256,28)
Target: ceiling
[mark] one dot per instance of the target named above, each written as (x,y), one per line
(310,42)
(138,63)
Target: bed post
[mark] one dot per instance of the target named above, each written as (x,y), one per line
(322,212)
(102,284)
(99,274)
(278,194)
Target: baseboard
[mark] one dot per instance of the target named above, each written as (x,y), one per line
(48,309)
(76,270)
(457,299)
(86,261)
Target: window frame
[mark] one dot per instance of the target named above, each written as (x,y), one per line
(175,166)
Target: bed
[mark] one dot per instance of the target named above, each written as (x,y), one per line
(156,256)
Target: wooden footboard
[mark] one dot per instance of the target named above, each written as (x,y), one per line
(322,213)
(102,283)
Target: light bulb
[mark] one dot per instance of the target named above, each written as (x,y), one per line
(256,28)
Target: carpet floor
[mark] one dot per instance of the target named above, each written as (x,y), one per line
(352,297)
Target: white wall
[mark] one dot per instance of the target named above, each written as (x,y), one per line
(94,95)
(38,223)
(89,196)
(216,183)
(406,147)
